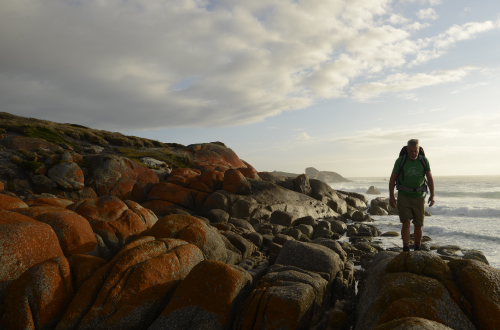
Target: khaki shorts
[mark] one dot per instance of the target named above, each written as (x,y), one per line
(411,208)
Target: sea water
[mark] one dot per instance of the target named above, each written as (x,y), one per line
(466,212)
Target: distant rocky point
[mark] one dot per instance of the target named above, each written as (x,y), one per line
(326,176)
(312,173)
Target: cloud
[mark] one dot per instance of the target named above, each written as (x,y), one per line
(397,19)
(379,136)
(464,129)
(303,136)
(428,13)
(404,82)
(427,111)
(436,46)
(424,2)
(469,86)
(140,65)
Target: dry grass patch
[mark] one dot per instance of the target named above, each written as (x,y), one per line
(67,133)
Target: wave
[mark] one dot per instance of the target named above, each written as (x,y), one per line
(469,194)
(445,232)
(465,211)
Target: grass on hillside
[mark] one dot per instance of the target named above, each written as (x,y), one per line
(163,154)
(64,133)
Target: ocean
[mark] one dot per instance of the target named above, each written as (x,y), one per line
(466,212)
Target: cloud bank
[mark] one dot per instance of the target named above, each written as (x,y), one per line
(154,64)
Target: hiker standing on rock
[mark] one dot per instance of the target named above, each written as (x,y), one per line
(409,177)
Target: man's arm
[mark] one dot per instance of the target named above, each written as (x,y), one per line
(430,181)
(392,181)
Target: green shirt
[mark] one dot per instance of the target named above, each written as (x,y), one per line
(413,175)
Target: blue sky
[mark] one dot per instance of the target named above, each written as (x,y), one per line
(337,85)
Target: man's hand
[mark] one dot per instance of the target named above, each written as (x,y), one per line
(392,202)
(431,201)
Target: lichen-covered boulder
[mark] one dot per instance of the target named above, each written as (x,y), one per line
(28,144)
(51,201)
(8,202)
(147,216)
(249,173)
(162,208)
(73,231)
(83,267)
(410,285)
(409,295)
(208,298)
(120,177)
(68,176)
(480,284)
(234,182)
(39,297)
(187,198)
(192,230)
(286,298)
(111,219)
(212,179)
(24,242)
(412,323)
(210,156)
(133,288)
(311,257)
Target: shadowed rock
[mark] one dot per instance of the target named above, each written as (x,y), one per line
(24,242)
(39,297)
(201,302)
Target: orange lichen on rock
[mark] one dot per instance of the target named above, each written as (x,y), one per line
(200,187)
(121,177)
(135,285)
(202,299)
(286,298)
(83,267)
(250,173)
(24,242)
(480,284)
(39,297)
(59,202)
(73,231)
(192,230)
(406,294)
(172,193)
(421,263)
(8,202)
(112,219)
(234,182)
(212,179)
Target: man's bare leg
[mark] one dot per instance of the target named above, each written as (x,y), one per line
(417,235)
(405,232)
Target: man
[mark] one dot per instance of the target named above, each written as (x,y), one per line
(411,192)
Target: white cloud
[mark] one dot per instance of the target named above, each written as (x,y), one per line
(163,63)
(303,136)
(428,13)
(415,26)
(424,2)
(469,86)
(435,47)
(378,136)
(397,19)
(404,82)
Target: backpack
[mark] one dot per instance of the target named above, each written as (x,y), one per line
(404,153)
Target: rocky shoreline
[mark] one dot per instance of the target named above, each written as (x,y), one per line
(91,239)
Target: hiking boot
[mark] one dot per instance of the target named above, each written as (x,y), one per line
(417,248)
(406,249)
